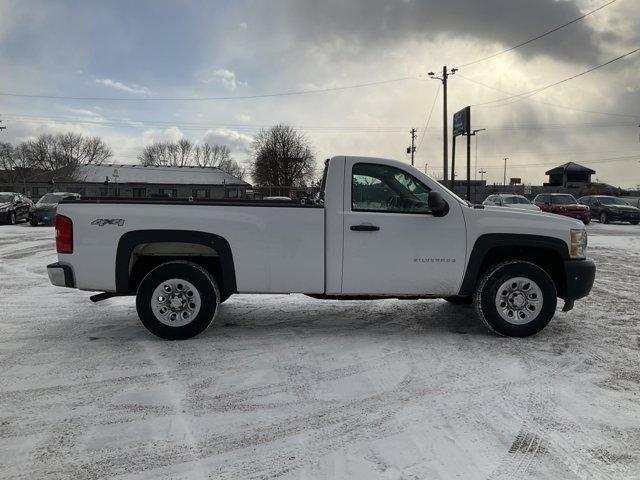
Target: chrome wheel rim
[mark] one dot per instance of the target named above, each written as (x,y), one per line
(519,300)
(12,218)
(176,302)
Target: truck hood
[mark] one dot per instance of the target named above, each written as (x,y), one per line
(521,215)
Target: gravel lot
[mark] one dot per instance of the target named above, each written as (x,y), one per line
(291,387)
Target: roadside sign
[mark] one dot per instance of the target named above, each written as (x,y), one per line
(515,181)
(462,122)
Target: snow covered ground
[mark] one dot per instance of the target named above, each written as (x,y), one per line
(290,387)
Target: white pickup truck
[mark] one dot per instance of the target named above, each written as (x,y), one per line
(380,229)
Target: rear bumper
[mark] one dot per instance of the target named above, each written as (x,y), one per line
(579,277)
(61,275)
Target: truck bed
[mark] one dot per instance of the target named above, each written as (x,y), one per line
(277,246)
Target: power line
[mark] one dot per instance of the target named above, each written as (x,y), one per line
(538,36)
(524,95)
(190,99)
(557,105)
(426,125)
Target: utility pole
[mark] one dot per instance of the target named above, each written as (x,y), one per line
(445,133)
(412,148)
(482,172)
(504,174)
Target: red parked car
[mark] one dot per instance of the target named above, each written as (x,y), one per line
(563,204)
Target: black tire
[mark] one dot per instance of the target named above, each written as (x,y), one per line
(634,222)
(33,223)
(487,291)
(12,218)
(224,297)
(586,222)
(203,282)
(459,300)
(604,218)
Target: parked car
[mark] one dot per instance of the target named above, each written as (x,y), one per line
(563,204)
(45,210)
(510,200)
(14,207)
(385,230)
(611,209)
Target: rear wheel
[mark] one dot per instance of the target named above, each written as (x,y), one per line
(516,298)
(604,218)
(177,300)
(33,222)
(634,222)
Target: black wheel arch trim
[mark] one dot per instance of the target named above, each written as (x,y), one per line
(130,240)
(485,243)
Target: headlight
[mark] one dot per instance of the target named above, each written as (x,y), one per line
(6,208)
(578,243)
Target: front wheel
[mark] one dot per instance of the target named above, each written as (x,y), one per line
(516,298)
(634,222)
(12,218)
(177,300)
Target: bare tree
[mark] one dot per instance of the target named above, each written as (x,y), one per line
(186,153)
(282,157)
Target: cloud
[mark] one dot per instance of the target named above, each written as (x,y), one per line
(171,134)
(132,88)
(226,78)
(372,24)
(236,141)
(243,117)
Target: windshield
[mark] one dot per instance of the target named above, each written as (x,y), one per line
(563,199)
(516,200)
(6,197)
(51,198)
(611,201)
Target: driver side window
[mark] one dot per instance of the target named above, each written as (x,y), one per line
(381,188)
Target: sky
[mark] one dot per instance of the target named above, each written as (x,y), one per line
(142,51)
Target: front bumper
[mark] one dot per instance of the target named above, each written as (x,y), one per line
(585,216)
(48,218)
(61,275)
(579,277)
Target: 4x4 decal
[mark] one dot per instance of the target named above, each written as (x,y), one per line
(101,222)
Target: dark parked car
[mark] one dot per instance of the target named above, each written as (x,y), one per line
(14,207)
(563,204)
(611,209)
(45,210)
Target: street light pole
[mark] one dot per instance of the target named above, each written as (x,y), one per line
(445,145)
(504,174)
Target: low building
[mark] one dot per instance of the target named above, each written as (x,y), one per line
(136,181)
(569,175)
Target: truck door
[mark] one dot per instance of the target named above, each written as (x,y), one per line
(392,242)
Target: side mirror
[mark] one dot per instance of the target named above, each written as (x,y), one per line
(437,204)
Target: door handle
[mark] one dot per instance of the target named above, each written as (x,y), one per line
(365,228)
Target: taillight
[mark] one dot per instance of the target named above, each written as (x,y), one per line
(64,234)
